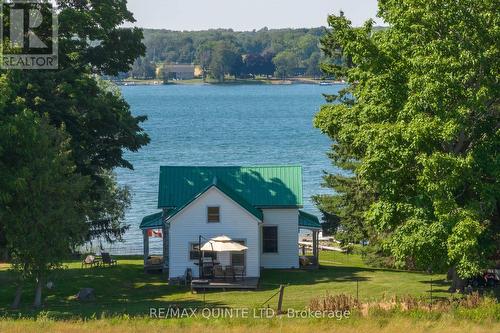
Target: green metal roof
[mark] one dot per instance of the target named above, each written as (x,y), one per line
(153,221)
(308,220)
(257,186)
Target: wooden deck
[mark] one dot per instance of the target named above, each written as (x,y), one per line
(248,283)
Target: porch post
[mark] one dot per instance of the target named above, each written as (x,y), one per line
(146,245)
(315,246)
(165,246)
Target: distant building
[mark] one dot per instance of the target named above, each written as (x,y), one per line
(198,71)
(179,71)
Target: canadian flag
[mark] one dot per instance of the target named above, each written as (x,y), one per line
(155,233)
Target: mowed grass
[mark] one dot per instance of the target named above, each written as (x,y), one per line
(126,289)
(125,294)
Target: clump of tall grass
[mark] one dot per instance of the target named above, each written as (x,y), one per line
(402,303)
(329,302)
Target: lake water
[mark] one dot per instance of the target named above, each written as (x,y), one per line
(222,125)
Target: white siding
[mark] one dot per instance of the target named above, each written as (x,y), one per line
(287,221)
(235,222)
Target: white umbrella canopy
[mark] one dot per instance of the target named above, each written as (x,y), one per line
(222,244)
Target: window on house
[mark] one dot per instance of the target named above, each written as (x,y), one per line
(213,214)
(270,239)
(238,258)
(194,252)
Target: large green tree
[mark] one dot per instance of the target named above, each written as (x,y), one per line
(204,57)
(225,59)
(97,119)
(421,120)
(42,197)
(285,63)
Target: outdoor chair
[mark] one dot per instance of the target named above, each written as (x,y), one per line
(208,271)
(219,272)
(91,261)
(107,260)
(239,271)
(230,272)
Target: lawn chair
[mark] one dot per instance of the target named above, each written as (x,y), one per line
(91,261)
(107,260)
(239,271)
(230,273)
(219,272)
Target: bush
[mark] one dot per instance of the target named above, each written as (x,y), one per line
(375,256)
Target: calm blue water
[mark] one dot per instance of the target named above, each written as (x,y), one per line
(222,125)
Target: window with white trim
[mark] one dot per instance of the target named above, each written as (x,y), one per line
(270,239)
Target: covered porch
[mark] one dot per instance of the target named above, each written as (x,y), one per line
(309,249)
(152,226)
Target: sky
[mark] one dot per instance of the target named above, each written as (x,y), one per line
(244,15)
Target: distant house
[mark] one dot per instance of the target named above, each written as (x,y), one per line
(258,207)
(179,71)
(198,71)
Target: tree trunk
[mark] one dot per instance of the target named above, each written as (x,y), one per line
(38,293)
(17,298)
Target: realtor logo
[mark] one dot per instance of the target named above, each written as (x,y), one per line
(28,35)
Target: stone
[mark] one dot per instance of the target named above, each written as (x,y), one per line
(85,294)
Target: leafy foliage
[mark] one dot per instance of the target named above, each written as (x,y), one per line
(285,63)
(225,59)
(96,118)
(300,45)
(62,133)
(43,199)
(421,119)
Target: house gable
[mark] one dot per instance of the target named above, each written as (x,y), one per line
(254,213)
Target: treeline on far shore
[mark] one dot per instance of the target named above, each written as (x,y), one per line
(221,52)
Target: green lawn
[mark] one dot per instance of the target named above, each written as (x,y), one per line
(125,289)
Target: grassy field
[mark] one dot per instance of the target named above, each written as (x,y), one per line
(125,289)
(125,292)
(366,325)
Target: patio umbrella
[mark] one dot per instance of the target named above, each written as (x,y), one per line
(222,244)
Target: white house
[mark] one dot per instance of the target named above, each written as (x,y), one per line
(257,206)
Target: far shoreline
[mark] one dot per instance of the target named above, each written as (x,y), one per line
(288,81)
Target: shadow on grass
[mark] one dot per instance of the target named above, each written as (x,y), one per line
(442,286)
(124,289)
(325,274)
